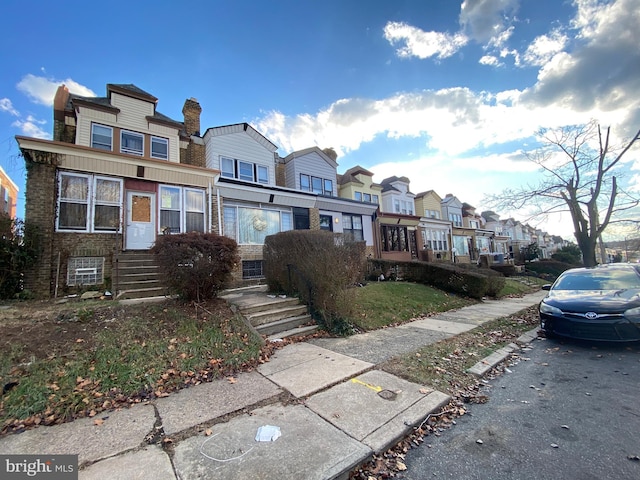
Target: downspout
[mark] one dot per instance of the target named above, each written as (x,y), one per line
(210,198)
(219,217)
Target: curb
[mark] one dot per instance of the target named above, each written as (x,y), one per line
(487,363)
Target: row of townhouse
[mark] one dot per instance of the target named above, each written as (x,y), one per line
(118,173)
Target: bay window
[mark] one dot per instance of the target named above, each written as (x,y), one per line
(251,225)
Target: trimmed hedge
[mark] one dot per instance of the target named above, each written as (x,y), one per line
(318,266)
(196,266)
(548,268)
(447,277)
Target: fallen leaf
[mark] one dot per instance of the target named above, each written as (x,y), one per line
(401,466)
(208,432)
(424,391)
(79,340)
(98,422)
(231,380)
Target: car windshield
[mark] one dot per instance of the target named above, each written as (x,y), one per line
(598,279)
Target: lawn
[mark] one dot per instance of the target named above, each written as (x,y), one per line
(381,304)
(58,364)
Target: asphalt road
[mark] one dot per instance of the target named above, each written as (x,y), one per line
(567,410)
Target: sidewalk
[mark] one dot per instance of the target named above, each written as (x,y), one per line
(333,408)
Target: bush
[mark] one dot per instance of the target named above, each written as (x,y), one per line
(196,266)
(470,282)
(317,266)
(17,254)
(570,254)
(548,268)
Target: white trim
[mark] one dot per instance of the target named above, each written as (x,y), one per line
(166,140)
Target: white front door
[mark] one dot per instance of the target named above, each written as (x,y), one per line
(141,225)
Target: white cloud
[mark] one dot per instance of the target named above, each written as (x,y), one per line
(545,47)
(490,60)
(486,21)
(31,127)
(421,44)
(41,90)
(7,106)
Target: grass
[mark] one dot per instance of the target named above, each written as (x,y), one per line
(380,304)
(131,359)
(443,365)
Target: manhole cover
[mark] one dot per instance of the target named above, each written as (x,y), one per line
(388,394)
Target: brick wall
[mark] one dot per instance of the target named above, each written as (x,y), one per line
(39,215)
(314,219)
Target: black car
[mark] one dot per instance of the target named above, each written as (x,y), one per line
(599,303)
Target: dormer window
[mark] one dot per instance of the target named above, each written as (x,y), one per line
(160,148)
(101,137)
(131,142)
(245,171)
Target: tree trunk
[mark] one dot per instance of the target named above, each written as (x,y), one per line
(587,246)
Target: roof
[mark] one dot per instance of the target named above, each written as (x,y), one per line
(242,127)
(306,151)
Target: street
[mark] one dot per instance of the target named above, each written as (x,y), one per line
(563,410)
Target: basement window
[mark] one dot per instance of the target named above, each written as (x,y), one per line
(85,271)
(251,269)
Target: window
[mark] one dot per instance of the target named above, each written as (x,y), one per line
(432,214)
(461,244)
(394,238)
(250,226)
(316,185)
(245,171)
(375,199)
(101,137)
(85,271)
(305,182)
(194,210)
(131,142)
(367,197)
(326,223)
(181,209)
(473,224)
(328,187)
(160,148)
(263,174)
(455,219)
(227,166)
(107,205)
(88,203)
(396,206)
(252,269)
(352,227)
(357,196)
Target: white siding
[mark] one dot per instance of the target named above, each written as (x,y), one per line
(132,112)
(85,117)
(314,165)
(241,146)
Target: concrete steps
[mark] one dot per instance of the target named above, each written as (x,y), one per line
(274,317)
(136,275)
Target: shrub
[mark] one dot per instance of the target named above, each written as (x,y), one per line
(317,266)
(548,268)
(196,266)
(17,253)
(569,254)
(470,282)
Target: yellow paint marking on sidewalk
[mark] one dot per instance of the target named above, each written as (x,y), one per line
(375,388)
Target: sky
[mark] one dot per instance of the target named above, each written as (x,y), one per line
(449,94)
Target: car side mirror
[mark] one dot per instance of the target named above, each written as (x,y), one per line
(546,286)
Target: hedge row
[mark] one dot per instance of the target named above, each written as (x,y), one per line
(450,278)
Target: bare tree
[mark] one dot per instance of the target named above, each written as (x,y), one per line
(581,172)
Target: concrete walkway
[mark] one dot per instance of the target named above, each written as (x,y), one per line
(332,407)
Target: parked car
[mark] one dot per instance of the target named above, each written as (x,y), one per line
(599,303)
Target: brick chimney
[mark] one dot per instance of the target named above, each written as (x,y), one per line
(191,112)
(59,106)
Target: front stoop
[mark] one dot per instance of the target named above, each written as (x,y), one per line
(275,317)
(136,275)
